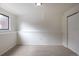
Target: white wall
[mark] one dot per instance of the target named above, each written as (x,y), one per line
(8,37)
(40,27)
(37,24)
(64,27)
(7,41)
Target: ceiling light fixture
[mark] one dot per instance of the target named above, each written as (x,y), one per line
(38,4)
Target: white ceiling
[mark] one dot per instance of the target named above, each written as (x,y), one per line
(24,8)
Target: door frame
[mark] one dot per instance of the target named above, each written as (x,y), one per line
(67,24)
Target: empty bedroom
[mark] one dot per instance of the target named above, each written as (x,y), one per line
(39,29)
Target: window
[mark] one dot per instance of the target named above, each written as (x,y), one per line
(4,22)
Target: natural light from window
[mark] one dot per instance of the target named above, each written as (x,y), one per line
(4,22)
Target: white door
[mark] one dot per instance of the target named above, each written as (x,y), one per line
(73,32)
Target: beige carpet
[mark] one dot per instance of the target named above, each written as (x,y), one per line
(40,50)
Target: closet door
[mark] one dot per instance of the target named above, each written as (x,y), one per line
(73,32)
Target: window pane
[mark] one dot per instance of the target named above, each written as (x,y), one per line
(4,22)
